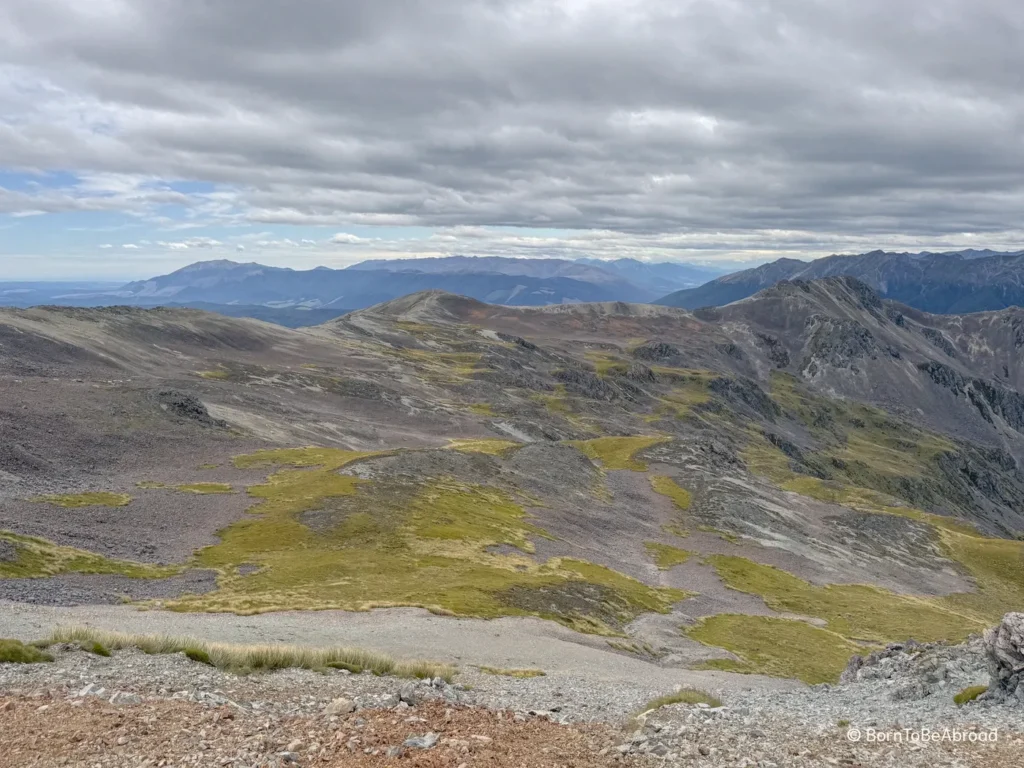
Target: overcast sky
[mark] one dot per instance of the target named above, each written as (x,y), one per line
(137,136)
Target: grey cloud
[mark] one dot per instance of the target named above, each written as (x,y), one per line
(719,118)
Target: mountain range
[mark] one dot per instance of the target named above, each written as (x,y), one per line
(944,283)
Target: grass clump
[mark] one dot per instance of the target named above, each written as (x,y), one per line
(205,488)
(522,674)
(666,556)
(16,652)
(89,499)
(618,452)
(691,696)
(490,446)
(253,658)
(776,647)
(96,648)
(969,694)
(198,655)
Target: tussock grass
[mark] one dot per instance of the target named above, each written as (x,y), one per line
(16,652)
(91,499)
(522,674)
(666,556)
(968,695)
(691,696)
(254,658)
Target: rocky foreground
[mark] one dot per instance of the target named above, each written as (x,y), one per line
(894,708)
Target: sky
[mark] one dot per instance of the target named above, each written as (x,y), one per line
(138,136)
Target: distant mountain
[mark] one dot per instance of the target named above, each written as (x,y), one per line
(590,272)
(228,282)
(658,277)
(943,283)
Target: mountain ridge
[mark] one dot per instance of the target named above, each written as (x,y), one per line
(955,282)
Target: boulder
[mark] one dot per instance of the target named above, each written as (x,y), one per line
(1004,647)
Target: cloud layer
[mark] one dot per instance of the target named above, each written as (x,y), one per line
(733,126)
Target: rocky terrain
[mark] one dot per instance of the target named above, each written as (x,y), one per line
(129,709)
(737,500)
(954,282)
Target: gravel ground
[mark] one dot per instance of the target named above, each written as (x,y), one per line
(596,681)
(132,708)
(101,589)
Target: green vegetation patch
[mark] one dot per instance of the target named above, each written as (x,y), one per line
(489,446)
(619,452)
(776,647)
(90,499)
(855,611)
(968,695)
(38,558)
(150,485)
(429,544)
(690,696)
(253,658)
(666,556)
(219,375)
(666,486)
(16,652)
(205,488)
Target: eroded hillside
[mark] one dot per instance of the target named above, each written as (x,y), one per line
(810,467)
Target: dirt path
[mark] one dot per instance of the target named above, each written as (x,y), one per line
(402,632)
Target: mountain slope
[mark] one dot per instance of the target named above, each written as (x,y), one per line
(811,468)
(946,283)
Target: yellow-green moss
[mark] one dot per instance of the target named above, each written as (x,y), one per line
(482,409)
(150,485)
(967,695)
(666,556)
(38,558)
(618,452)
(776,647)
(666,486)
(220,375)
(90,499)
(205,488)
(492,447)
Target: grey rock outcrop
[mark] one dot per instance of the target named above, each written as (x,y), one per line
(1004,646)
